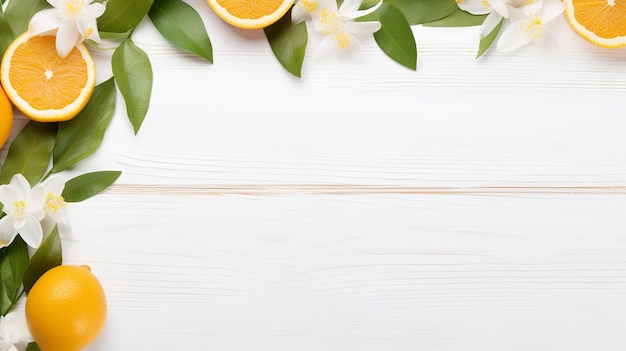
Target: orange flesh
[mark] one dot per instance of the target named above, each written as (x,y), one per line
(599,17)
(250,9)
(35,59)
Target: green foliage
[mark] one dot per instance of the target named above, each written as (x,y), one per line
(19,13)
(13,262)
(122,16)
(87,185)
(81,136)
(30,152)
(182,27)
(288,42)
(458,18)
(424,11)
(32,346)
(133,74)
(48,255)
(486,42)
(395,36)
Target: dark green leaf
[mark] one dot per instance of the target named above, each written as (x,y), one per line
(114,36)
(133,75)
(18,14)
(458,18)
(182,27)
(30,152)
(486,42)
(6,37)
(87,185)
(288,42)
(122,16)
(81,136)
(395,36)
(13,262)
(32,346)
(424,11)
(48,255)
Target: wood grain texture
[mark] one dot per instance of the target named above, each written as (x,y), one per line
(468,205)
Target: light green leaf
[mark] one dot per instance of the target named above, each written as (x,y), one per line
(458,18)
(395,36)
(182,27)
(486,42)
(81,136)
(6,38)
(13,262)
(87,185)
(424,11)
(48,255)
(133,75)
(114,36)
(18,14)
(30,152)
(288,42)
(122,16)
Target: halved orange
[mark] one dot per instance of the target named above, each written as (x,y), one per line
(6,117)
(41,84)
(250,14)
(602,22)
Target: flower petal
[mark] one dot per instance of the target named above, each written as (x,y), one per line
(44,22)
(514,37)
(325,48)
(361,13)
(547,46)
(349,7)
(490,23)
(67,37)
(31,232)
(551,9)
(93,11)
(299,13)
(500,7)
(7,231)
(362,27)
(14,328)
(54,185)
(475,7)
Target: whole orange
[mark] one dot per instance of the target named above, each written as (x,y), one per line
(6,117)
(66,308)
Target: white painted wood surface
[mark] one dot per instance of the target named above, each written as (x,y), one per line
(469,205)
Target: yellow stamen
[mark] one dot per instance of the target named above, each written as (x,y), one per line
(342,39)
(533,27)
(19,209)
(54,203)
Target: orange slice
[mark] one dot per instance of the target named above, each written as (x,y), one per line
(6,117)
(41,84)
(602,22)
(250,14)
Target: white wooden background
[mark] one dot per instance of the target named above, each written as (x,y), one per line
(469,205)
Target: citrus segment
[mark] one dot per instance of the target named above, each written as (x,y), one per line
(601,22)
(41,84)
(250,14)
(65,308)
(6,117)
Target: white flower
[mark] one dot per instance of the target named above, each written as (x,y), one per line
(340,29)
(13,331)
(73,20)
(303,9)
(24,209)
(496,11)
(54,206)
(529,26)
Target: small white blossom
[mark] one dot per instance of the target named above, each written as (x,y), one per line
(54,207)
(73,21)
(24,209)
(14,333)
(340,29)
(530,26)
(303,9)
(496,11)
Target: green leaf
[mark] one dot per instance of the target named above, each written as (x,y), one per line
(13,262)
(122,16)
(81,136)
(182,27)
(114,36)
(30,152)
(32,346)
(87,185)
(18,14)
(48,255)
(6,38)
(288,42)
(486,42)
(458,18)
(133,75)
(395,36)
(424,11)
